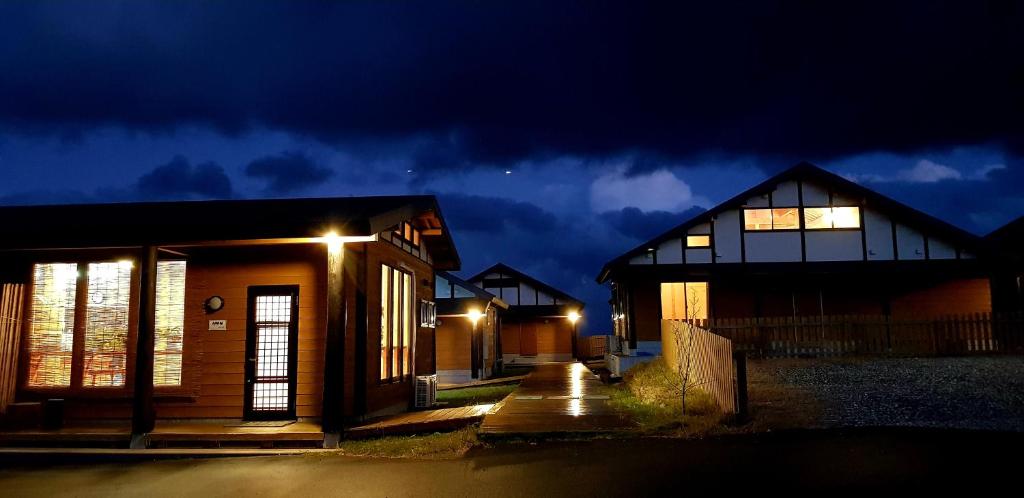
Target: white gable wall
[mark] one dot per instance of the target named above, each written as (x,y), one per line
(873,241)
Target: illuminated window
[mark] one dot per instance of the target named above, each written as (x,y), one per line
(106,324)
(408,233)
(170,323)
(757,219)
(51,333)
(771,219)
(698,241)
(396,325)
(684,300)
(824,218)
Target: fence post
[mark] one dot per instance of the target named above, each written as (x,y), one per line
(740,359)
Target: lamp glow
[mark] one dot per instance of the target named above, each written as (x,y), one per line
(474,315)
(333,242)
(573,316)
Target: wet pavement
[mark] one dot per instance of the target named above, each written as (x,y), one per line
(556,398)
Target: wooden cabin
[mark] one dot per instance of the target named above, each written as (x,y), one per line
(317,309)
(468,322)
(804,243)
(541,322)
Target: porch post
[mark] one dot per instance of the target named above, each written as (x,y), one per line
(474,348)
(334,356)
(143,414)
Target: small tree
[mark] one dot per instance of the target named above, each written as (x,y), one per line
(683,336)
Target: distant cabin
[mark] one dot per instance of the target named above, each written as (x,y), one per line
(805,242)
(468,330)
(540,324)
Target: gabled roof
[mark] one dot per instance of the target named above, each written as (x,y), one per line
(806,171)
(192,222)
(477,292)
(508,270)
(1008,239)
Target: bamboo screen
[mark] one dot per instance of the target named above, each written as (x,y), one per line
(52,330)
(106,324)
(11,299)
(170,323)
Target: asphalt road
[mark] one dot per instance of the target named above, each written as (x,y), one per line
(765,464)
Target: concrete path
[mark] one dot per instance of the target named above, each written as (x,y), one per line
(555,398)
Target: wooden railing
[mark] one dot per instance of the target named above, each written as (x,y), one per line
(11,303)
(592,346)
(708,356)
(835,335)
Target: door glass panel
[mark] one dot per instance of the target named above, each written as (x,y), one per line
(271,385)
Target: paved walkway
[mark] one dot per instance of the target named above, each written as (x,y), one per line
(555,398)
(420,421)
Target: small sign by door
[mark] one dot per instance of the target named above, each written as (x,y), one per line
(218,325)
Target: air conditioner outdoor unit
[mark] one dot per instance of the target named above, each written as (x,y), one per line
(426,390)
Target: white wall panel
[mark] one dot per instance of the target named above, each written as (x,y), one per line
(527,295)
(815,195)
(772,247)
(670,252)
(642,259)
(758,201)
(701,229)
(909,243)
(786,195)
(829,245)
(939,249)
(727,237)
(697,256)
(878,229)
(545,298)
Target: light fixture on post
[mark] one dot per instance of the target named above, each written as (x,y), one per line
(333,242)
(574,316)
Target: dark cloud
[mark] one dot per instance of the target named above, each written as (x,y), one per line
(180,180)
(472,213)
(486,83)
(642,226)
(288,172)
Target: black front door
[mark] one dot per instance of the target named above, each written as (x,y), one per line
(272,339)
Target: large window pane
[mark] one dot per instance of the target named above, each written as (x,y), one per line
(170,323)
(407,324)
(396,320)
(106,324)
(684,300)
(385,318)
(757,219)
(52,329)
(785,219)
(822,218)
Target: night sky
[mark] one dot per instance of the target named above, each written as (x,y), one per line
(556,135)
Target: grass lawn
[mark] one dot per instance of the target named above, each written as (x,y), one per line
(439,445)
(474,395)
(650,397)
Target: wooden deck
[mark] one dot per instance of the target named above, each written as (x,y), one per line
(421,421)
(304,433)
(480,383)
(555,398)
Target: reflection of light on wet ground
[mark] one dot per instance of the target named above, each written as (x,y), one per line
(576,386)
(484,408)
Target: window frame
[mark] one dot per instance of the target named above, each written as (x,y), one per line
(76,387)
(388,310)
(771,210)
(405,232)
(76,390)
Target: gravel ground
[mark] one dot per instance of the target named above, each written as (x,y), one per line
(965,393)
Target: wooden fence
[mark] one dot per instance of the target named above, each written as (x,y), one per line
(835,335)
(709,357)
(11,299)
(591,347)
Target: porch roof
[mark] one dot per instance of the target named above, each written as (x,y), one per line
(118,225)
